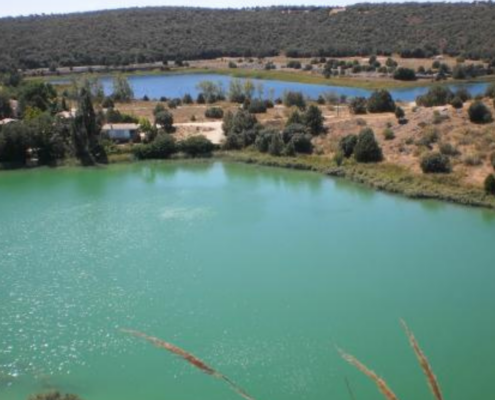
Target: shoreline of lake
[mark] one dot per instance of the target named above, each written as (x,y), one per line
(284,76)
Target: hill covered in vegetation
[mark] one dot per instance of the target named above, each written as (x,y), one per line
(143,35)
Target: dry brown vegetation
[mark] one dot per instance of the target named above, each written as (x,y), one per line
(382,385)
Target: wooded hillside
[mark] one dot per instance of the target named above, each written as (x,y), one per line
(157,34)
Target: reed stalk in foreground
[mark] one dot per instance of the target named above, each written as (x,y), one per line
(190,358)
(423,362)
(380,382)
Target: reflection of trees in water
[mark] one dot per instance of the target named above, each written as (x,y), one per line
(151,170)
(353,188)
(281,177)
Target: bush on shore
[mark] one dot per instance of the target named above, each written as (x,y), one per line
(162,147)
(196,146)
(435,163)
(490,184)
(367,149)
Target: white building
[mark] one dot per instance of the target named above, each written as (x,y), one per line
(121,132)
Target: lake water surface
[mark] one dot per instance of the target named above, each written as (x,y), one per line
(170,86)
(260,272)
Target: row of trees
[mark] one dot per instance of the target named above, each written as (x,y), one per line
(123,37)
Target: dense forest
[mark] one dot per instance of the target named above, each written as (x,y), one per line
(168,33)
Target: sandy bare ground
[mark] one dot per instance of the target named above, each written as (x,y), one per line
(211,130)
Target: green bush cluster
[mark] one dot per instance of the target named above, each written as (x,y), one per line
(435,163)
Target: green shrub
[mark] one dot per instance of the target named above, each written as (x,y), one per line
(165,120)
(435,163)
(239,122)
(479,113)
(295,118)
(404,74)
(388,134)
(490,184)
(339,158)
(214,113)
(367,149)
(294,64)
(162,147)
(294,99)
(380,101)
(456,102)
(264,139)
(358,105)
(463,94)
(313,119)
(257,106)
(490,91)
(187,99)
(399,113)
(276,145)
(436,96)
(347,145)
(195,146)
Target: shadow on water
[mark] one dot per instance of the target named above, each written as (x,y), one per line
(355,189)
(258,176)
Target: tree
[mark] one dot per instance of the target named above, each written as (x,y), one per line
(404,74)
(347,145)
(399,113)
(435,163)
(358,105)
(14,141)
(162,147)
(436,96)
(479,113)
(86,132)
(490,91)
(37,95)
(313,119)
(294,118)
(239,122)
(299,136)
(380,101)
(165,120)
(296,99)
(197,146)
(5,109)
(122,91)
(276,146)
(367,149)
(214,113)
(490,184)
(457,102)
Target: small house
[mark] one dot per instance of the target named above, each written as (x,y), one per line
(121,133)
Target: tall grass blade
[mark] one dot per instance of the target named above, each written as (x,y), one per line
(349,389)
(424,363)
(380,383)
(190,358)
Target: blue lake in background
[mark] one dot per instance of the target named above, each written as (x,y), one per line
(172,86)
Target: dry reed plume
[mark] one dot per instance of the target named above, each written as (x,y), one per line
(380,383)
(423,362)
(190,358)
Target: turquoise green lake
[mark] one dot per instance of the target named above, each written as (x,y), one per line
(259,272)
